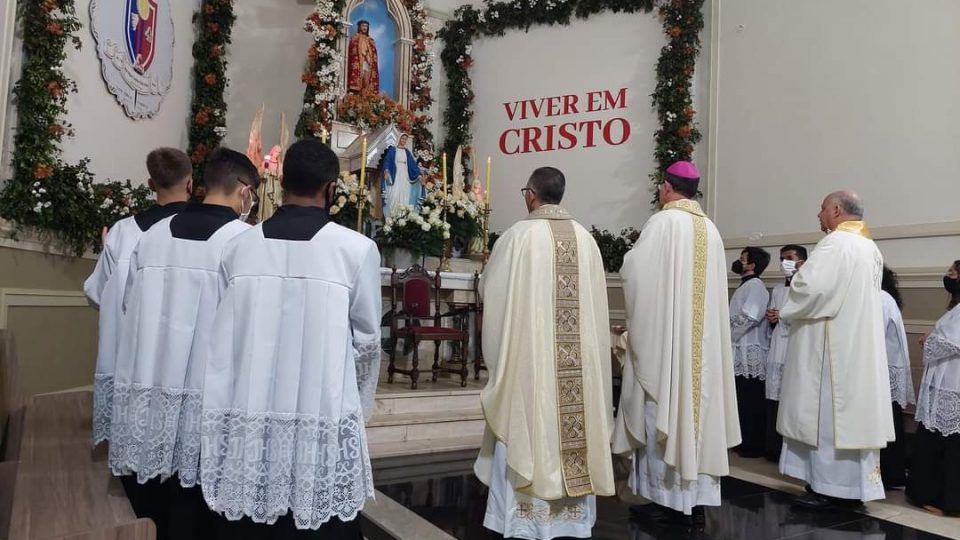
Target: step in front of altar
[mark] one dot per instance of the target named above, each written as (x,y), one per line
(425,422)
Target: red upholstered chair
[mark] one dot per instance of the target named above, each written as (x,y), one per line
(419,310)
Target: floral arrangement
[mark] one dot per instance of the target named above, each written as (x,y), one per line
(323,71)
(614,247)
(208,119)
(672,99)
(45,192)
(344,208)
(463,212)
(370,110)
(421,232)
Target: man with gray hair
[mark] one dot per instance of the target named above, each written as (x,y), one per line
(835,400)
(549,403)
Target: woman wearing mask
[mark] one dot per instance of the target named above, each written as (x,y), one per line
(893,457)
(934,481)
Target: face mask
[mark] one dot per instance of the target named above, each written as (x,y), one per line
(951,285)
(737,268)
(245,215)
(789,267)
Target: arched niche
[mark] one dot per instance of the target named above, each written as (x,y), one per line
(403,47)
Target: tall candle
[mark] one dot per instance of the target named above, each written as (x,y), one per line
(486,194)
(444,174)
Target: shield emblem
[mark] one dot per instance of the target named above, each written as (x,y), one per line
(141,33)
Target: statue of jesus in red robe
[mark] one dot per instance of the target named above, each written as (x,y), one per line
(362,68)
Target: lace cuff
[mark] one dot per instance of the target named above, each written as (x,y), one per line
(900,392)
(156,432)
(367,360)
(262,465)
(936,348)
(102,406)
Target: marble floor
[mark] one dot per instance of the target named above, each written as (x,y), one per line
(750,511)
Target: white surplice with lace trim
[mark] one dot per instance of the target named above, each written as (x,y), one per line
(170,300)
(291,376)
(779,337)
(938,408)
(898,357)
(749,330)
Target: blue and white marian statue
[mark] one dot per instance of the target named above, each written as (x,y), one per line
(400,184)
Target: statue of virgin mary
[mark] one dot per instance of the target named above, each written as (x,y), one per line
(400,184)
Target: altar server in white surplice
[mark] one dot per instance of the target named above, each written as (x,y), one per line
(548,404)
(294,365)
(792,257)
(893,458)
(170,177)
(678,409)
(750,334)
(835,400)
(170,301)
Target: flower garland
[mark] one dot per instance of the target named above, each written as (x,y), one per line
(208,119)
(324,72)
(672,99)
(45,192)
(322,75)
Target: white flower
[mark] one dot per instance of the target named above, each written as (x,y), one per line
(47,204)
(387,229)
(341,200)
(220,131)
(38,208)
(425,227)
(446,235)
(334,210)
(107,203)
(402,222)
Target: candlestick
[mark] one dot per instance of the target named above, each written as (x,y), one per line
(363,178)
(486,194)
(444,174)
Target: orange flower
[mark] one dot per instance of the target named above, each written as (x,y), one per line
(55,129)
(684,131)
(675,32)
(216,51)
(313,53)
(330,31)
(54,28)
(42,170)
(201,118)
(689,112)
(210,79)
(310,79)
(209,9)
(213,27)
(199,153)
(54,88)
(49,5)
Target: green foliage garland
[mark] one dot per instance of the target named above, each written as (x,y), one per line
(208,111)
(672,99)
(614,247)
(44,192)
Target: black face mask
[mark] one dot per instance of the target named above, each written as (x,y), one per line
(951,285)
(737,268)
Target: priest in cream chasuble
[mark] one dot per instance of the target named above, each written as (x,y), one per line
(835,400)
(548,404)
(678,408)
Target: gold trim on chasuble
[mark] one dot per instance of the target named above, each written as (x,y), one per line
(855,227)
(570,407)
(699,294)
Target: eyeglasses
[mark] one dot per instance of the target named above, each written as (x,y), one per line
(523,191)
(253,193)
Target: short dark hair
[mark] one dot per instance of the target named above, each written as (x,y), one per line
(800,250)
(308,167)
(549,185)
(688,187)
(168,167)
(891,285)
(226,168)
(361,22)
(758,257)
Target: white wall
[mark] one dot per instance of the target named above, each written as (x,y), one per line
(820,95)
(115,144)
(606,185)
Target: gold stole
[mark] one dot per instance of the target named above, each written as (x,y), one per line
(699,295)
(570,407)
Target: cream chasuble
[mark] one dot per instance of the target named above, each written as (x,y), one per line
(836,316)
(546,341)
(680,357)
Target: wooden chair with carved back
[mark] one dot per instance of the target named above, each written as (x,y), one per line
(418,295)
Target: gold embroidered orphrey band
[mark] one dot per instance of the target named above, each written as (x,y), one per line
(699,292)
(570,408)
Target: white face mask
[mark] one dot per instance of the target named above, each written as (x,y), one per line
(245,215)
(789,267)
